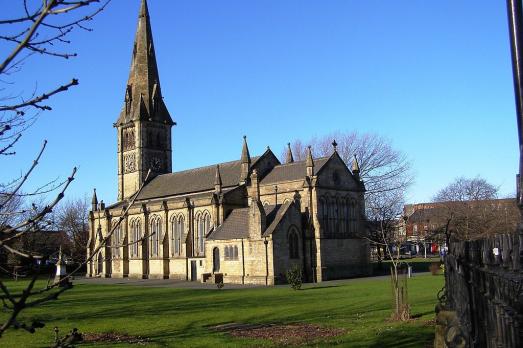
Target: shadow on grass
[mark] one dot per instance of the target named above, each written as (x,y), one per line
(405,336)
(319,287)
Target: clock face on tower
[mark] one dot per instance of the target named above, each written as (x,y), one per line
(156,164)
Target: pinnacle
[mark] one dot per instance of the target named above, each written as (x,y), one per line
(289,158)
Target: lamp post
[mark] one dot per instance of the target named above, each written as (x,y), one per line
(515,13)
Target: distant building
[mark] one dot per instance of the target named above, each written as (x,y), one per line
(424,221)
(244,221)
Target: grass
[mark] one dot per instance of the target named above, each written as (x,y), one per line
(181,317)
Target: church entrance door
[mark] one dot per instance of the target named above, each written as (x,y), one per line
(194,276)
(215,260)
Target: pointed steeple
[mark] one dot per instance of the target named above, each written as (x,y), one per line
(309,162)
(289,158)
(246,157)
(218,180)
(355,168)
(143,97)
(245,162)
(94,201)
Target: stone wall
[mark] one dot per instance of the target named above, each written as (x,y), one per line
(345,258)
(481,304)
(251,266)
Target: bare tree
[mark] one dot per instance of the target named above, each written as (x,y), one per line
(384,232)
(382,168)
(72,218)
(41,27)
(469,208)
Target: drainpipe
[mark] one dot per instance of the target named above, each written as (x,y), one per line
(243,263)
(266,262)
(313,237)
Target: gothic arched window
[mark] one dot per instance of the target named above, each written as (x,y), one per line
(176,235)
(354,217)
(136,233)
(154,239)
(341,216)
(116,240)
(204,225)
(347,212)
(324,214)
(294,243)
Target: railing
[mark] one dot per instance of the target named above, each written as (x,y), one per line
(481,304)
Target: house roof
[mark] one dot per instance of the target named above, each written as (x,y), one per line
(236,225)
(291,171)
(192,180)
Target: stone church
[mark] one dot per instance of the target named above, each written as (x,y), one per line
(246,221)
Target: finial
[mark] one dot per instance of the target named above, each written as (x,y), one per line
(335,145)
(289,157)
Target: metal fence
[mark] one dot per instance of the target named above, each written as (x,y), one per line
(481,304)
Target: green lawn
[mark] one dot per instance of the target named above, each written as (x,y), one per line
(180,317)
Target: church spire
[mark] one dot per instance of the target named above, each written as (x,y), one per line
(289,158)
(143,85)
(144,124)
(245,161)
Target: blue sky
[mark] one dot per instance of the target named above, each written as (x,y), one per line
(432,76)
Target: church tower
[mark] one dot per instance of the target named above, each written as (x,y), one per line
(144,124)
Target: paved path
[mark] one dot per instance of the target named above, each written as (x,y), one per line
(180,284)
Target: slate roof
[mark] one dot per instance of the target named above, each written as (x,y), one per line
(236,225)
(192,180)
(292,171)
(277,216)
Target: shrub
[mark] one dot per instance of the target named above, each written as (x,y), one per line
(294,277)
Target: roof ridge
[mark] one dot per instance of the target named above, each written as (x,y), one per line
(300,162)
(203,167)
